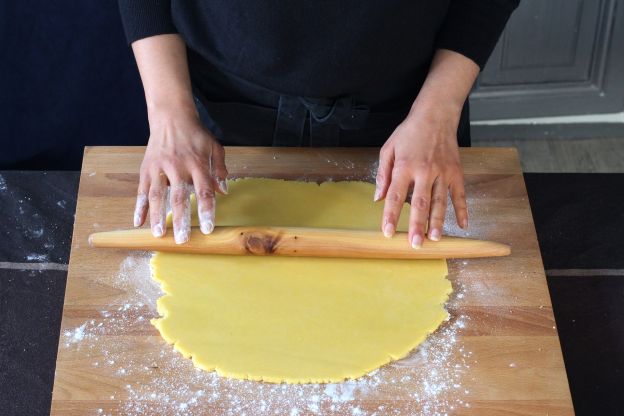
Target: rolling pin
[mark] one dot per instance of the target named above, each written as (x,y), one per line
(300,242)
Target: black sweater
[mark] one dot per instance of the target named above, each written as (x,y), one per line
(323,48)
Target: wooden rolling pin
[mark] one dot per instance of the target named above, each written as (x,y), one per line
(301,242)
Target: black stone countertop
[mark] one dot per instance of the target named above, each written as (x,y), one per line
(35,235)
(579,220)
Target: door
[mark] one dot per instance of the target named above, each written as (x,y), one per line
(555,57)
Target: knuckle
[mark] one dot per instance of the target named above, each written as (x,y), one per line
(167,161)
(178,197)
(425,166)
(155,194)
(401,164)
(438,199)
(394,196)
(204,193)
(173,164)
(420,203)
(457,177)
(436,218)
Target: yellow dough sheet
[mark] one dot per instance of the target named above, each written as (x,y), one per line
(298,320)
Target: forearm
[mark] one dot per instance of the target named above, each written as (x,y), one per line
(446,87)
(422,152)
(165,75)
(181,154)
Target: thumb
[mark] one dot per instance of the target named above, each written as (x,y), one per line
(219,171)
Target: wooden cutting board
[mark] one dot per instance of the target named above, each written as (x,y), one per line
(499,353)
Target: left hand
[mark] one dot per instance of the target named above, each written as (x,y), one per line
(422,152)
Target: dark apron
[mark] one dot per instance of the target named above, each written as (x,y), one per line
(239,113)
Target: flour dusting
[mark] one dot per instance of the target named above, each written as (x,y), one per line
(428,381)
(37,257)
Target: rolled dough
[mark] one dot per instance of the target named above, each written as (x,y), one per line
(297,320)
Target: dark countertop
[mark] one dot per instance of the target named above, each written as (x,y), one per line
(579,220)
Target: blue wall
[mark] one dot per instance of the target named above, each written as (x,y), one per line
(67,80)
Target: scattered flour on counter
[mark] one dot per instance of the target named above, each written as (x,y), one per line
(35,232)
(74,336)
(37,257)
(3,185)
(428,381)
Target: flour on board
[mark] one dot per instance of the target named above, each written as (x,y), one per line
(430,377)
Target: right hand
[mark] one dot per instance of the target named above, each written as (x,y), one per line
(181,154)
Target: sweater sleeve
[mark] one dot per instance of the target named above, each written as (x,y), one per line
(145,18)
(472,27)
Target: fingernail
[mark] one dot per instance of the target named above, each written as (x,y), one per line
(417,242)
(434,235)
(181,236)
(157,230)
(206,222)
(223,185)
(377,194)
(388,230)
(137,219)
(464,223)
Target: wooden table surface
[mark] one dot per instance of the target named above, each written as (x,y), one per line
(505,343)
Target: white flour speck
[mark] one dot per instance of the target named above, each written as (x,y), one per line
(35,232)
(76,335)
(37,257)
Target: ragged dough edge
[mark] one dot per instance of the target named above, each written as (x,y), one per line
(178,346)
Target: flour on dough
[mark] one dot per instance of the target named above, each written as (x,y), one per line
(298,320)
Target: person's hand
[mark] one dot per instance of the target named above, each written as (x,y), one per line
(422,152)
(180,153)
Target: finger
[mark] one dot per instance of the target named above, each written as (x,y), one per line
(437,210)
(419,211)
(384,174)
(181,211)
(218,169)
(158,204)
(140,209)
(458,197)
(205,202)
(395,198)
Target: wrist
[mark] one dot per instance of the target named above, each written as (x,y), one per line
(446,87)
(169,111)
(437,111)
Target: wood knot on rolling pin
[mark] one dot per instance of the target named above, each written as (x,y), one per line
(259,243)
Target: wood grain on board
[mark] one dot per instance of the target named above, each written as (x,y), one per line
(516,362)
